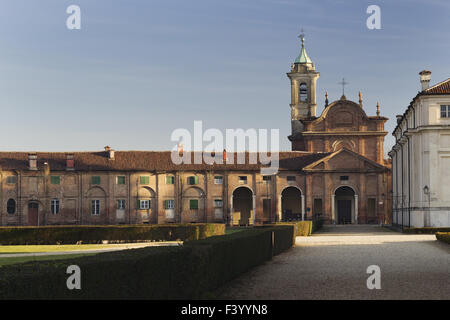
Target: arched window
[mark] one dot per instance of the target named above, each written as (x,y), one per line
(303,92)
(11,206)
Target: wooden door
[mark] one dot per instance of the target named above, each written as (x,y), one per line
(345,211)
(33,214)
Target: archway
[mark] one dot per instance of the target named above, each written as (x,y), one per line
(345,205)
(243,205)
(193,205)
(291,204)
(145,207)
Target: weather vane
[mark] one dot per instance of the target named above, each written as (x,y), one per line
(343,83)
(302,35)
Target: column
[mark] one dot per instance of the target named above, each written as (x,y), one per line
(333,214)
(231,210)
(279,207)
(254,208)
(356,208)
(303,207)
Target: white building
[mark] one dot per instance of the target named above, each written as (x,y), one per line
(421,158)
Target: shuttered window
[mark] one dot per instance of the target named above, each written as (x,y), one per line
(11,179)
(144,179)
(193,204)
(55,179)
(170,179)
(120,179)
(169,204)
(96,180)
(192,180)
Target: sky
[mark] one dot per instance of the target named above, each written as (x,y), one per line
(139,69)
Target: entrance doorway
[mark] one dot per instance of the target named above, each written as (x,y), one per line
(291,204)
(243,204)
(33,214)
(345,203)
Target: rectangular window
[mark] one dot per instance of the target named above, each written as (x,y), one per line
(95,207)
(193,204)
(11,179)
(55,179)
(344,178)
(218,179)
(144,180)
(54,205)
(192,180)
(120,180)
(445,111)
(290,178)
(96,180)
(144,204)
(218,203)
(242,179)
(267,178)
(170,179)
(121,204)
(169,204)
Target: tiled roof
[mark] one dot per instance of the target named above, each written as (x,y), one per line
(144,161)
(440,88)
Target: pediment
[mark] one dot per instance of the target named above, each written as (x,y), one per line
(344,159)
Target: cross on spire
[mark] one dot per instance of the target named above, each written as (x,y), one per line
(302,36)
(343,83)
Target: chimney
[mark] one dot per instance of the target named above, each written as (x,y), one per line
(399,118)
(32,161)
(70,163)
(180,149)
(110,152)
(425,77)
(224,155)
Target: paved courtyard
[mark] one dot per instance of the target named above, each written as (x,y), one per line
(332,265)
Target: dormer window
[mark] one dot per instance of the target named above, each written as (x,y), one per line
(303,92)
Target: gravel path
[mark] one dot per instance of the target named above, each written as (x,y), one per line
(332,265)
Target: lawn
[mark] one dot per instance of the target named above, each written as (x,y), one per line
(50,248)
(6,261)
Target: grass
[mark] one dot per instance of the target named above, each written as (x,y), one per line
(15,260)
(50,248)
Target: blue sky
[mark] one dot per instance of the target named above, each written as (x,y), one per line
(139,69)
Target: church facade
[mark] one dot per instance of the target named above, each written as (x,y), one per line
(335,171)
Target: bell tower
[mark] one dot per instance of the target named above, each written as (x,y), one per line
(303,78)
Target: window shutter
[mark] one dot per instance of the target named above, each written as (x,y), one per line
(166,204)
(138,204)
(196,179)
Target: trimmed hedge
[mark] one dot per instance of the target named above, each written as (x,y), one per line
(97,234)
(190,271)
(443,236)
(302,228)
(426,230)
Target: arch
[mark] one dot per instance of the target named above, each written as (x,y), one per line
(291,203)
(11,206)
(193,192)
(303,92)
(146,192)
(242,205)
(345,204)
(341,144)
(96,192)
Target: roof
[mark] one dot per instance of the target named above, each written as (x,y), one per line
(442,87)
(303,56)
(145,161)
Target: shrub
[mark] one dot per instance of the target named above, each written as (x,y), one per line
(426,230)
(443,236)
(185,272)
(97,234)
(302,228)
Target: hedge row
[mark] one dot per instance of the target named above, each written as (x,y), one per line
(97,234)
(190,271)
(443,236)
(302,228)
(426,230)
